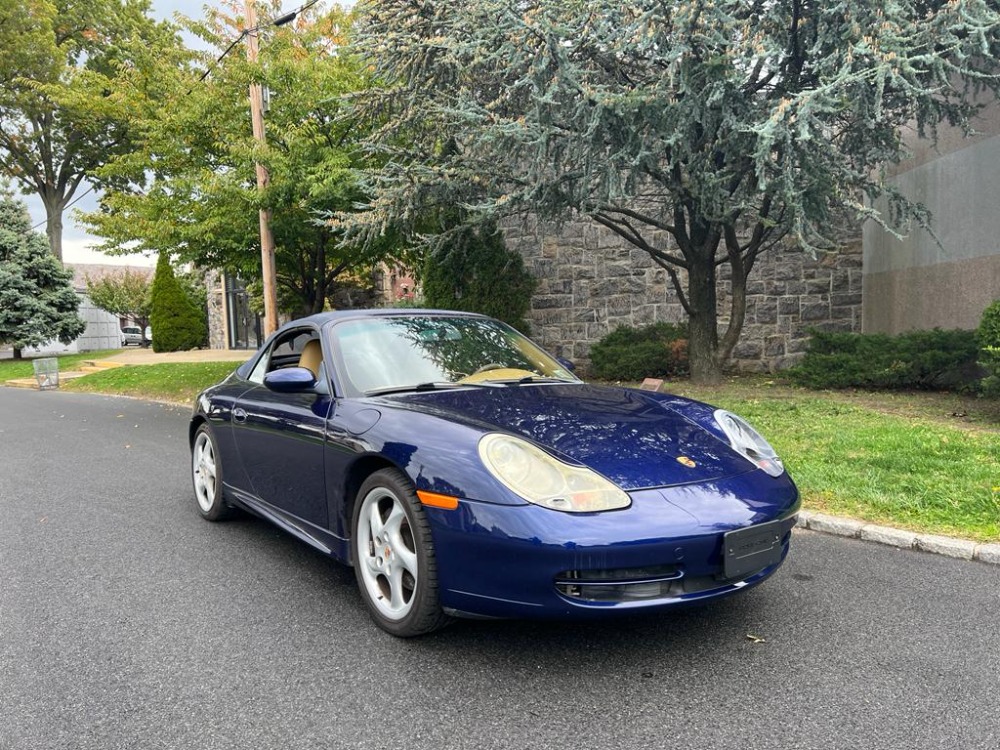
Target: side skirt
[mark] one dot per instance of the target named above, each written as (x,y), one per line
(320,539)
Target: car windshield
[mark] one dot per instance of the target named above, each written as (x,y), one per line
(413,352)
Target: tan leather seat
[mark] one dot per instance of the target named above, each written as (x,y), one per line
(312,357)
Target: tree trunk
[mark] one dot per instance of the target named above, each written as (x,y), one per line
(703,336)
(17,353)
(740,266)
(54,223)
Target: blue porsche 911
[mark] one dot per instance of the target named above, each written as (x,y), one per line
(462,471)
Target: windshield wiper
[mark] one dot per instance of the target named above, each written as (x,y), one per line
(528,379)
(440,386)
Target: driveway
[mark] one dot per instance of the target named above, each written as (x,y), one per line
(128,622)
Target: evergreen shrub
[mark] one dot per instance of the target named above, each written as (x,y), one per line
(178,324)
(921,360)
(477,273)
(988,338)
(653,351)
(37,300)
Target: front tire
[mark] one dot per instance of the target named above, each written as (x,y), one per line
(206,475)
(393,556)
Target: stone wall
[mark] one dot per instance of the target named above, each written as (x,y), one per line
(590,282)
(216,302)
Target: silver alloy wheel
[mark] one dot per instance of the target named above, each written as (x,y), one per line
(386,553)
(203,468)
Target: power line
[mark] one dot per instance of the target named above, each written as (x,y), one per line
(279,21)
(72,203)
(229,49)
(290,16)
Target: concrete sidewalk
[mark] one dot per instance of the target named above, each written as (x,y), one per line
(141,356)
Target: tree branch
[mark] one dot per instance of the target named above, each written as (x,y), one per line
(628,232)
(639,217)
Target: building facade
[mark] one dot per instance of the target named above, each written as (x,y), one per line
(945,280)
(232,322)
(103,329)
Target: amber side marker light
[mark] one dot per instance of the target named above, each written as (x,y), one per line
(436,500)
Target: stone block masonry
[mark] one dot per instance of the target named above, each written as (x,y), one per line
(216,293)
(590,281)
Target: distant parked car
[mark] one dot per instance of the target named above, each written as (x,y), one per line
(147,336)
(131,335)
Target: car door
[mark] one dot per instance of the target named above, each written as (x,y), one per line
(281,437)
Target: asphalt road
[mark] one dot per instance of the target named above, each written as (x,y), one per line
(128,622)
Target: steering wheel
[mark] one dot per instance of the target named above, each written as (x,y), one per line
(493,371)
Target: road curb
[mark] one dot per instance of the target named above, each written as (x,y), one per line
(962,549)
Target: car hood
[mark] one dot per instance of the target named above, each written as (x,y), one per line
(633,440)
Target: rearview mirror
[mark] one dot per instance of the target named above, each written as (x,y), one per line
(290,380)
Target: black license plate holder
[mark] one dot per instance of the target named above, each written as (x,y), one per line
(749,550)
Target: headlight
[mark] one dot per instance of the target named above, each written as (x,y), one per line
(748,442)
(543,480)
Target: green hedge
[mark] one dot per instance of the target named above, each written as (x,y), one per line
(988,338)
(923,360)
(653,351)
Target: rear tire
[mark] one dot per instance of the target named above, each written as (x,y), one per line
(206,475)
(393,556)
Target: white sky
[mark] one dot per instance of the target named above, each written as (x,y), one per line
(76,242)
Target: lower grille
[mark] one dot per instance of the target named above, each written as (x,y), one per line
(590,586)
(620,584)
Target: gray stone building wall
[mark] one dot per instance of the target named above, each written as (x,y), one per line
(215,289)
(590,282)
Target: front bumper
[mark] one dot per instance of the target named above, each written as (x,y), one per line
(664,551)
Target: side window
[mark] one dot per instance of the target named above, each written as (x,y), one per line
(287,351)
(257,374)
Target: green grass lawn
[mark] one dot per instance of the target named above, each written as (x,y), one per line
(23,368)
(923,461)
(177,382)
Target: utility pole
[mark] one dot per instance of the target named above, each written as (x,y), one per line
(266,238)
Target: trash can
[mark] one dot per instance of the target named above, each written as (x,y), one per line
(47,373)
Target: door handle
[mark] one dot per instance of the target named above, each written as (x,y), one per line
(239,415)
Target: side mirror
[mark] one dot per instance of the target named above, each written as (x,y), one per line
(290,380)
(566,363)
